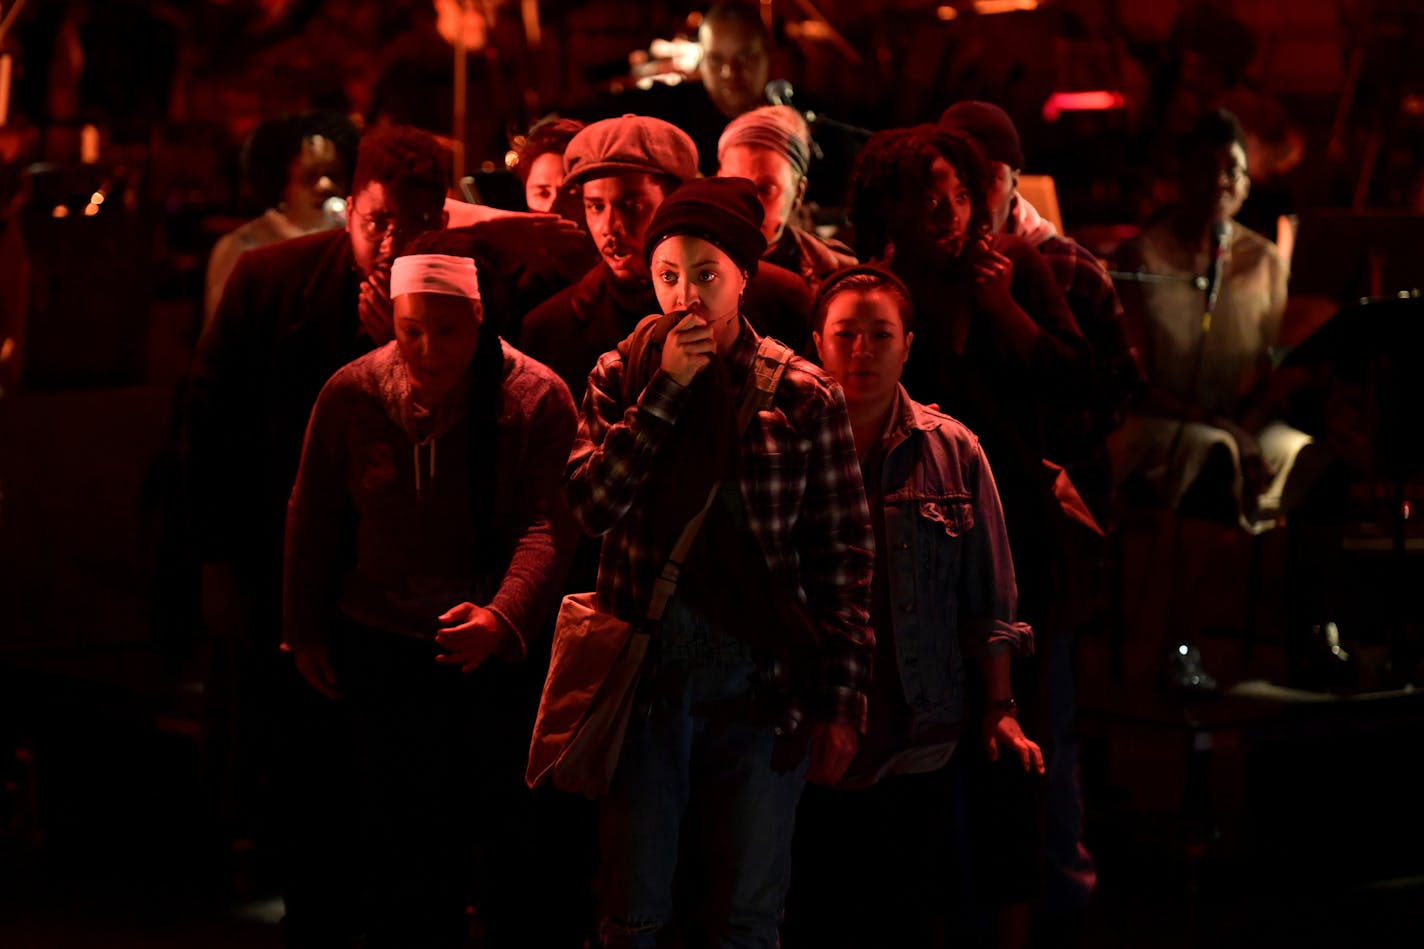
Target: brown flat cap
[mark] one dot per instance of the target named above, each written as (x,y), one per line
(630,145)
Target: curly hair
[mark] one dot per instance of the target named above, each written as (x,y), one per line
(1215,129)
(407,159)
(893,172)
(549,136)
(268,153)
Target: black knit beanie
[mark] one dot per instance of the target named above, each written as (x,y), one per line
(724,212)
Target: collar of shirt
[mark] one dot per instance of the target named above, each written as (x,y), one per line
(739,358)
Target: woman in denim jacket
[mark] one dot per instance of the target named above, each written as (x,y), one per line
(943,611)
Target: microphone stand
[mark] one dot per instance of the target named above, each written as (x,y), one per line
(814,119)
(1201,281)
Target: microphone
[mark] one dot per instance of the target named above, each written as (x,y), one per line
(780,92)
(333,212)
(1215,267)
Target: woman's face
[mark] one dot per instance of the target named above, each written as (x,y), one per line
(694,275)
(863,343)
(541,188)
(778,187)
(315,174)
(437,334)
(938,223)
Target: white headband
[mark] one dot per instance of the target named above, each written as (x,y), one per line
(435,273)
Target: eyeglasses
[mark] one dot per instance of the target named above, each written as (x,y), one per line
(377,227)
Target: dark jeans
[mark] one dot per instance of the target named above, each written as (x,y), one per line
(918,860)
(424,812)
(709,776)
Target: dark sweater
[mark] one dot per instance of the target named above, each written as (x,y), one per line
(389,542)
(286,322)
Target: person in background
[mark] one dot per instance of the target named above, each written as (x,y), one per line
(771,147)
(291,315)
(1207,404)
(1079,443)
(426,541)
(540,166)
(293,165)
(943,608)
(1210,438)
(999,349)
(764,648)
(736,57)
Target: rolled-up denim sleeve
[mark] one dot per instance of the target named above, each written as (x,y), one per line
(989,593)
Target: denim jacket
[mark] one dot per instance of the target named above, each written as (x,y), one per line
(952,591)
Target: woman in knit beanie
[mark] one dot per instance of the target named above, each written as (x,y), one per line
(759,664)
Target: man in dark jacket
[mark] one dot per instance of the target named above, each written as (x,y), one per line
(292,314)
(625,167)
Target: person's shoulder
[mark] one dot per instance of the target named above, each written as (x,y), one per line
(775,282)
(806,385)
(529,380)
(359,380)
(295,255)
(543,323)
(1014,247)
(1246,242)
(943,426)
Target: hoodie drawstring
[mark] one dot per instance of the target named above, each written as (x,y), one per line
(416,448)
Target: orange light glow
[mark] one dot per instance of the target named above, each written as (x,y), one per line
(1097,101)
(987,7)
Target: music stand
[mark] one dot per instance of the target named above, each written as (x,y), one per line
(1344,255)
(1371,347)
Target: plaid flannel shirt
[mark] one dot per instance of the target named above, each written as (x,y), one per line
(1095,305)
(800,480)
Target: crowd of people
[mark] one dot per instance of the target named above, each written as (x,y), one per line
(409,435)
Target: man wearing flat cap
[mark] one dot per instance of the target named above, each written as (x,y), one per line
(625,168)
(771,147)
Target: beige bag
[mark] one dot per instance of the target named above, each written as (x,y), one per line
(594,670)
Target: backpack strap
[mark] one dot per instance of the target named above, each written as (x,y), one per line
(768,366)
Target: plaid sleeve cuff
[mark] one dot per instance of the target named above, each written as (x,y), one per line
(663,398)
(1016,637)
(840,695)
(987,637)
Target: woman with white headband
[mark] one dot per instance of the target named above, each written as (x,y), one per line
(426,537)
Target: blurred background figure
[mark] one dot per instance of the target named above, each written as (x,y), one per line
(771,147)
(539,163)
(294,166)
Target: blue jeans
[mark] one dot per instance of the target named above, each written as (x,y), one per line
(696,781)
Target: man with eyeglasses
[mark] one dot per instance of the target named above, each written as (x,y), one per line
(292,314)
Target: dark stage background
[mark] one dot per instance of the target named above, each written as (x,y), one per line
(1262,817)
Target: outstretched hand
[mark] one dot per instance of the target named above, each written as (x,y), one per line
(314,664)
(472,635)
(1005,732)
